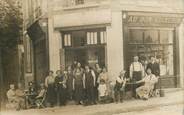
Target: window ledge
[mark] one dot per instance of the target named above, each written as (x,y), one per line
(80,6)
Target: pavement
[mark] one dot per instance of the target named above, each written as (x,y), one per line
(172,97)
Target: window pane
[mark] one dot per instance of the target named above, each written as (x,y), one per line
(136,36)
(166,61)
(88,37)
(69,40)
(65,40)
(95,38)
(151,36)
(105,36)
(102,37)
(166,36)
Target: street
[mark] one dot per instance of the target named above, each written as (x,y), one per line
(172,103)
(164,110)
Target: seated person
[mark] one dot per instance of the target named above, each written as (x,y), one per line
(31,94)
(41,95)
(149,81)
(19,92)
(13,102)
(102,91)
(119,87)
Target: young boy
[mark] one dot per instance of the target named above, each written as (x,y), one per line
(119,87)
(102,91)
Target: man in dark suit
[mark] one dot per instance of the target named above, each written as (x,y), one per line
(154,66)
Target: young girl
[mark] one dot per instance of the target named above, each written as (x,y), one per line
(102,91)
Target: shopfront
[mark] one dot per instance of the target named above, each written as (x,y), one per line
(153,34)
(87,46)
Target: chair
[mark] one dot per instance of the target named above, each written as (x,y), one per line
(40,101)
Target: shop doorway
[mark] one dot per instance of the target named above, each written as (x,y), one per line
(85,55)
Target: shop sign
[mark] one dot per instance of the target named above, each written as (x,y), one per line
(153,20)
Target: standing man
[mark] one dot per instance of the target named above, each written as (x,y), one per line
(154,66)
(155,69)
(60,82)
(49,84)
(136,74)
(89,83)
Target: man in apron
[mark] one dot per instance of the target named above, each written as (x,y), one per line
(136,74)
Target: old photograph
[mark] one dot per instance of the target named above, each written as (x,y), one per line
(91,57)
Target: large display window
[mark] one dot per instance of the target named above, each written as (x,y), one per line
(147,42)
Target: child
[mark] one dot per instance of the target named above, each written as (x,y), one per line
(119,87)
(102,91)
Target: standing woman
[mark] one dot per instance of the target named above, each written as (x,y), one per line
(78,84)
(49,84)
(97,71)
(69,83)
(60,82)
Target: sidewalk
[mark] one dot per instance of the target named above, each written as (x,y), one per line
(172,96)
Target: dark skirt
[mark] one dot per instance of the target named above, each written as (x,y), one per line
(51,94)
(78,92)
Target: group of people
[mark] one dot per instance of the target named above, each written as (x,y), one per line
(88,86)
(18,98)
(83,85)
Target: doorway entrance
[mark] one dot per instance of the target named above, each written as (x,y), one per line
(85,55)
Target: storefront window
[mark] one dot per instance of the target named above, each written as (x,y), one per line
(67,40)
(85,46)
(91,38)
(153,42)
(103,37)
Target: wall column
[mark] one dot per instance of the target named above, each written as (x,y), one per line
(181,53)
(54,46)
(115,45)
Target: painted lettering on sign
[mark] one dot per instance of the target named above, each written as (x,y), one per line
(157,20)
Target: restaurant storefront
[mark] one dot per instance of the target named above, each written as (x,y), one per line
(153,34)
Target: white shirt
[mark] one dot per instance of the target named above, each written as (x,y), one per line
(136,66)
(102,89)
(11,95)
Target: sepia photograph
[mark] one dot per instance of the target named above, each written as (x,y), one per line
(91,57)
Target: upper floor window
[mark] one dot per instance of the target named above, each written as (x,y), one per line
(78,2)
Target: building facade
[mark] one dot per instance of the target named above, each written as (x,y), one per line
(108,32)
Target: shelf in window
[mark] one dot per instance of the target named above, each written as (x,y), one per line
(145,51)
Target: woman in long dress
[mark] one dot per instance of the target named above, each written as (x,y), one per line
(50,85)
(149,80)
(69,83)
(78,84)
